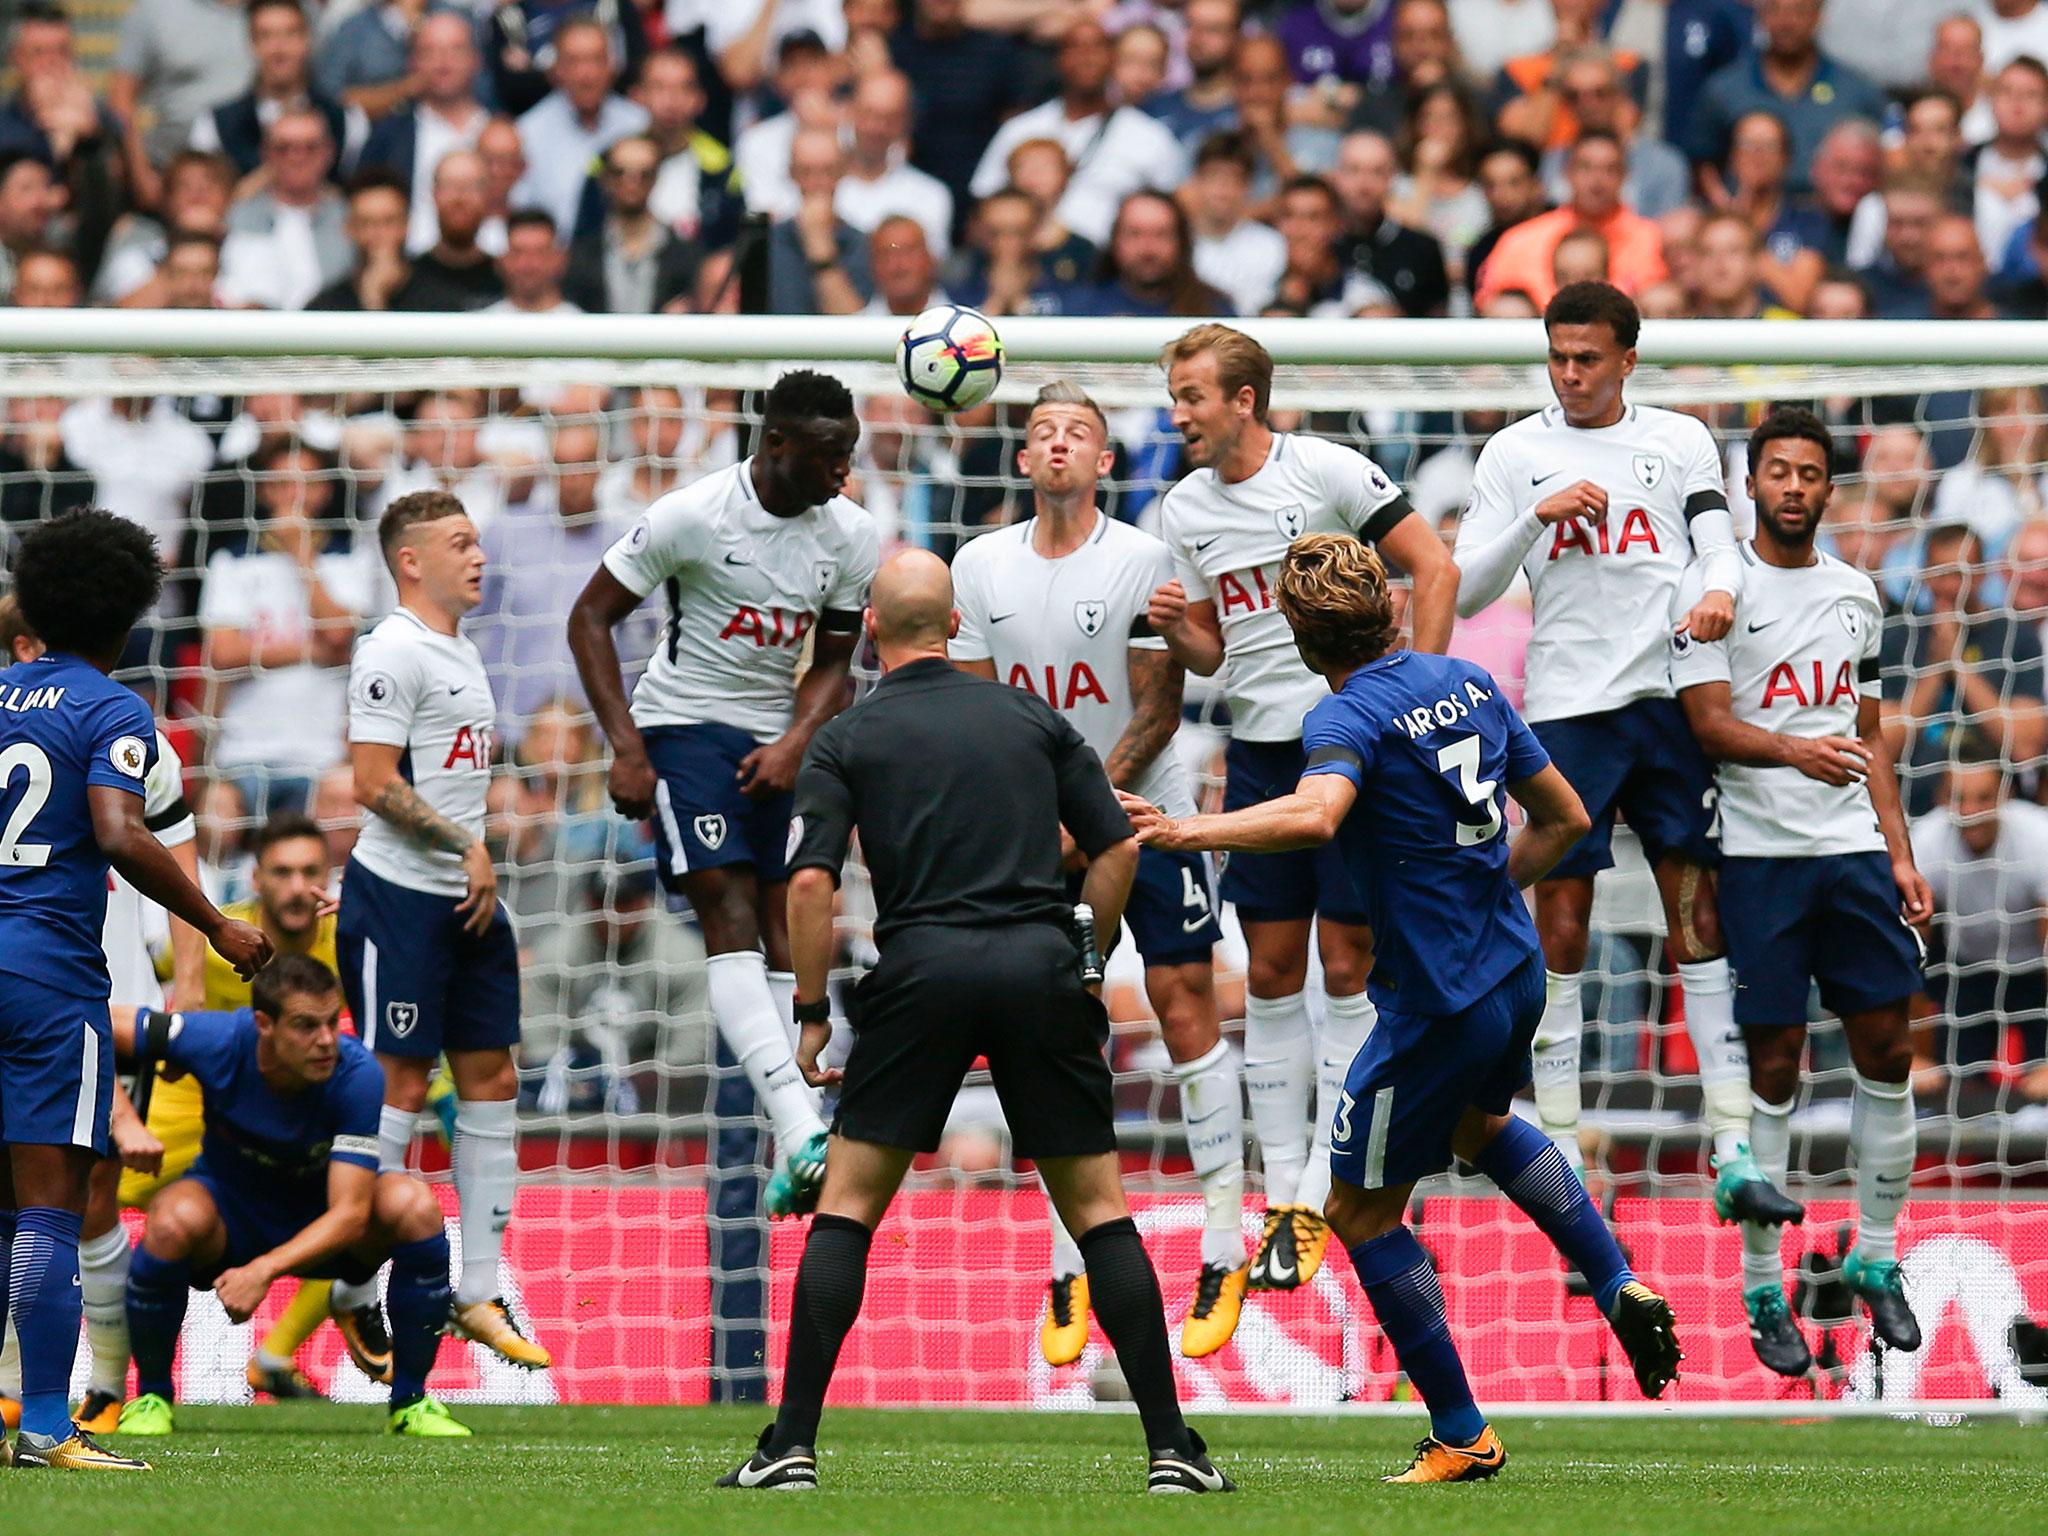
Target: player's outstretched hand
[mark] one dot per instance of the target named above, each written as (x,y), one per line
(809,1047)
(1583,500)
(1168,608)
(1916,896)
(481,903)
(632,785)
(241,1291)
(243,945)
(1153,826)
(1834,760)
(771,769)
(1711,617)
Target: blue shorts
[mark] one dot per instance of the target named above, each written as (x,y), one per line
(1417,1074)
(1834,920)
(56,1066)
(1642,760)
(1281,887)
(702,820)
(254,1226)
(1172,910)
(417,982)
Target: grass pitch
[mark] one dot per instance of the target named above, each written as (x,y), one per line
(321,1470)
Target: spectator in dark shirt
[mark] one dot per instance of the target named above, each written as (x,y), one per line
(1795,238)
(1955,272)
(281,41)
(520,44)
(29,201)
(968,81)
(1316,281)
(1406,262)
(1511,180)
(1953,667)
(632,263)
(37,479)
(1425,56)
(1898,278)
(1339,40)
(696,194)
(1206,104)
(817,262)
(378,212)
(1149,266)
(1848,168)
(904,268)
(55,117)
(457,273)
(2026,298)
(1789,75)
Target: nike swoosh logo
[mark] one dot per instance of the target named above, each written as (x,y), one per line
(1754,626)
(1208,541)
(1539,479)
(997,618)
(733,559)
(1893,1178)
(1194,924)
(453,690)
(1279,1276)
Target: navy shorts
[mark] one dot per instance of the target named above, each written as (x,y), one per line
(1281,887)
(1834,920)
(56,1066)
(702,820)
(1417,1074)
(1172,910)
(1642,760)
(254,1226)
(417,982)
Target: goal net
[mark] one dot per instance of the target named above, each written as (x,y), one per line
(637,1252)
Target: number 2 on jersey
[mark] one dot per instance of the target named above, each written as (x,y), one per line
(1461,758)
(14,853)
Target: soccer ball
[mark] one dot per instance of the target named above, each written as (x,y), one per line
(950,359)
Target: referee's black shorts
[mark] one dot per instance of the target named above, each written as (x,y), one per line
(938,998)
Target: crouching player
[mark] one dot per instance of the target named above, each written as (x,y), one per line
(1406,764)
(286,1184)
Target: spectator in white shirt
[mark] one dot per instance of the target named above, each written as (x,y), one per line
(1233,251)
(1114,150)
(197,192)
(879,179)
(2006,172)
(743,35)
(443,451)
(575,122)
(144,457)
(278,623)
(445,116)
(806,78)
(289,239)
(2011,28)
(532,268)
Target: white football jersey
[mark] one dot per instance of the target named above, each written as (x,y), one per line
(1064,630)
(1803,652)
(412,687)
(1602,594)
(135,925)
(743,588)
(1228,542)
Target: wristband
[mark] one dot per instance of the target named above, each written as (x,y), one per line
(819,1012)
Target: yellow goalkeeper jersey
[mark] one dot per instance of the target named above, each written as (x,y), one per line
(176,1108)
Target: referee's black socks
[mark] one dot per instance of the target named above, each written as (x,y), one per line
(829,1284)
(1124,1294)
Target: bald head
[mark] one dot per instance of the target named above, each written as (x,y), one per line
(912,602)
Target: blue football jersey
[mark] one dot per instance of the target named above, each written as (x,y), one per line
(1431,744)
(276,1145)
(64,726)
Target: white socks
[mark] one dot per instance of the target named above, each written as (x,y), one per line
(743,1004)
(1346,1023)
(103,1278)
(395,1128)
(782,989)
(486,1174)
(1555,1066)
(1724,1057)
(1770,1143)
(1279,1065)
(1066,1253)
(1212,1110)
(1882,1138)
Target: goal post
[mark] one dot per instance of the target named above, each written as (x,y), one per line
(635,1249)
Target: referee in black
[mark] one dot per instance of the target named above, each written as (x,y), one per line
(958,788)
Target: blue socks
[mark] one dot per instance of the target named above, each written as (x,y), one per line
(157,1292)
(6,1261)
(1401,1284)
(1533,1173)
(48,1307)
(416,1301)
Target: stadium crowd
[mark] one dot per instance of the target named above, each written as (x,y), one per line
(1331,158)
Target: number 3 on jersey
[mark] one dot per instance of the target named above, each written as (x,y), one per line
(1461,758)
(35,762)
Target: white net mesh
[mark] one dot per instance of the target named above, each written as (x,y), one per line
(636,1250)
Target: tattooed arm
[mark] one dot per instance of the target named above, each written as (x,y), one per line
(1156,681)
(382,791)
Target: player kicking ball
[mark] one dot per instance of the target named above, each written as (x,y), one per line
(1406,760)
(1603,505)
(752,562)
(428,957)
(1056,605)
(287,1183)
(1251,493)
(1816,867)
